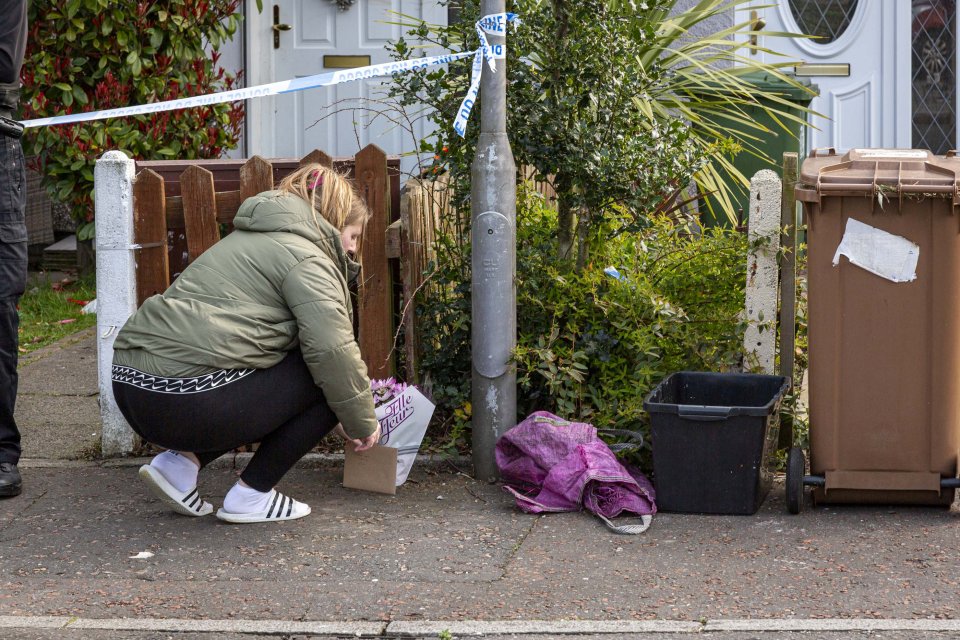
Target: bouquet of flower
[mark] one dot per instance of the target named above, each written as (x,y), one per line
(386,390)
(403,413)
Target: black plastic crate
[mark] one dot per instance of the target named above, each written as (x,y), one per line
(713,438)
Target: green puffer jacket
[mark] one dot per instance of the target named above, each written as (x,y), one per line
(278,282)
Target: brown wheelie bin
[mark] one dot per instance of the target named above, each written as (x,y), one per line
(883,275)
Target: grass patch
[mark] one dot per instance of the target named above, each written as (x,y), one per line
(51,310)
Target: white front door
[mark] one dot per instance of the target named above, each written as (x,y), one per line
(341,119)
(870,107)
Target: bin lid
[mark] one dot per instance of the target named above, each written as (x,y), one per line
(768,82)
(865,171)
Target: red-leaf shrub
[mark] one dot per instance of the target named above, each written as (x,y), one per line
(89,55)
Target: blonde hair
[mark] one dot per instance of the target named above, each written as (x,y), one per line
(329,193)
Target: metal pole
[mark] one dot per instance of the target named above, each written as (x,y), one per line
(494,259)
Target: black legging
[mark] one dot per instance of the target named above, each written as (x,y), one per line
(280,407)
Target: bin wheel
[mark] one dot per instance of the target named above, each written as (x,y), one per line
(796,467)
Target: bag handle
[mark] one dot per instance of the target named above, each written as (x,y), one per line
(705,413)
(628,529)
(618,447)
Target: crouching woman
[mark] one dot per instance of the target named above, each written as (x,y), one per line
(252,343)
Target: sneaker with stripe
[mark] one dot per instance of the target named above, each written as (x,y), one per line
(281,507)
(188,503)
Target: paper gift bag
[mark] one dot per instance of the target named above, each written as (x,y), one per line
(370,470)
(403,421)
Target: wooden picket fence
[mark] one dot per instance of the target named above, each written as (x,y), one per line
(181,207)
(426,210)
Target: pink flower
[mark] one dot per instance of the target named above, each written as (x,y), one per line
(386,390)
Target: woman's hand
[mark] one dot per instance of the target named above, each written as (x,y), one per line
(365,443)
(359,444)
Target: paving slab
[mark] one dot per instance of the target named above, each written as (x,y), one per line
(59,427)
(65,368)
(100,629)
(449,548)
(57,409)
(88,634)
(805,635)
(78,528)
(74,634)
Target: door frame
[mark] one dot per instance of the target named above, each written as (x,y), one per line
(258,66)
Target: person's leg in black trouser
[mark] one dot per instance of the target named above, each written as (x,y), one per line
(280,449)
(13,279)
(9,433)
(280,407)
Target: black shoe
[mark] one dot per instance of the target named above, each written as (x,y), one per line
(10,482)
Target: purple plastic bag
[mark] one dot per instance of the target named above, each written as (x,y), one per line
(551,464)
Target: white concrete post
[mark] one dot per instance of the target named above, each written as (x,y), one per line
(763,272)
(116,285)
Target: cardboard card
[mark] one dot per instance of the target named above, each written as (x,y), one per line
(372,470)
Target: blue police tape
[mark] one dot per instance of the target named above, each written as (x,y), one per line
(259,91)
(494,24)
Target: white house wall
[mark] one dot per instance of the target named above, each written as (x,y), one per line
(719,22)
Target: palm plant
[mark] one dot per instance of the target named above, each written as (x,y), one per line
(710,88)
